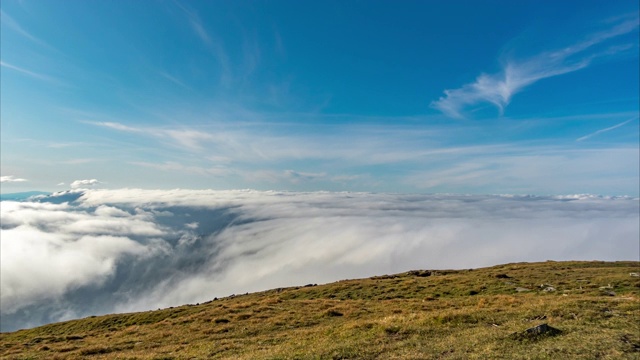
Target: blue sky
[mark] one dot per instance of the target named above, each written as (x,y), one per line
(524,97)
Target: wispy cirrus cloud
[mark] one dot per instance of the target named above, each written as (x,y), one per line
(178,168)
(13,25)
(499,88)
(529,169)
(213,44)
(254,156)
(189,139)
(195,22)
(174,80)
(605,130)
(115,126)
(30,73)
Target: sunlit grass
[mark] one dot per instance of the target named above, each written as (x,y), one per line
(416,315)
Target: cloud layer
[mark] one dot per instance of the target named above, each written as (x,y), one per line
(84,252)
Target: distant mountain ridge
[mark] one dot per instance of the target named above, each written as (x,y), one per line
(22,196)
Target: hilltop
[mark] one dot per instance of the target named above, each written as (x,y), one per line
(453,314)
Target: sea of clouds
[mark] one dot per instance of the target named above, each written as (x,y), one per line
(86,252)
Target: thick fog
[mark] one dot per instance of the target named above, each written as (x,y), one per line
(86,252)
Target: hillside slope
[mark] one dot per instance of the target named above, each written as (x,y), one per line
(452,314)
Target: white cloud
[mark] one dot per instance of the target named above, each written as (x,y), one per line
(116,126)
(498,89)
(11,178)
(77,184)
(132,249)
(50,249)
(189,139)
(44,265)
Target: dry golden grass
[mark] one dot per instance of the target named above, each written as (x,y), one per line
(464,314)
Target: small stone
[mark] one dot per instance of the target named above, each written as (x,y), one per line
(420,273)
(634,274)
(521,289)
(549,289)
(535,332)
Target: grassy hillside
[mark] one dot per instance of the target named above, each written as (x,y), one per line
(459,314)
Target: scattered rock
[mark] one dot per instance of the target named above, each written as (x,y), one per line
(503,276)
(608,312)
(549,289)
(607,290)
(634,274)
(635,346)
(420,273)
(536,332)
(385,277)
(74,337)
(521,289)
(542,329)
